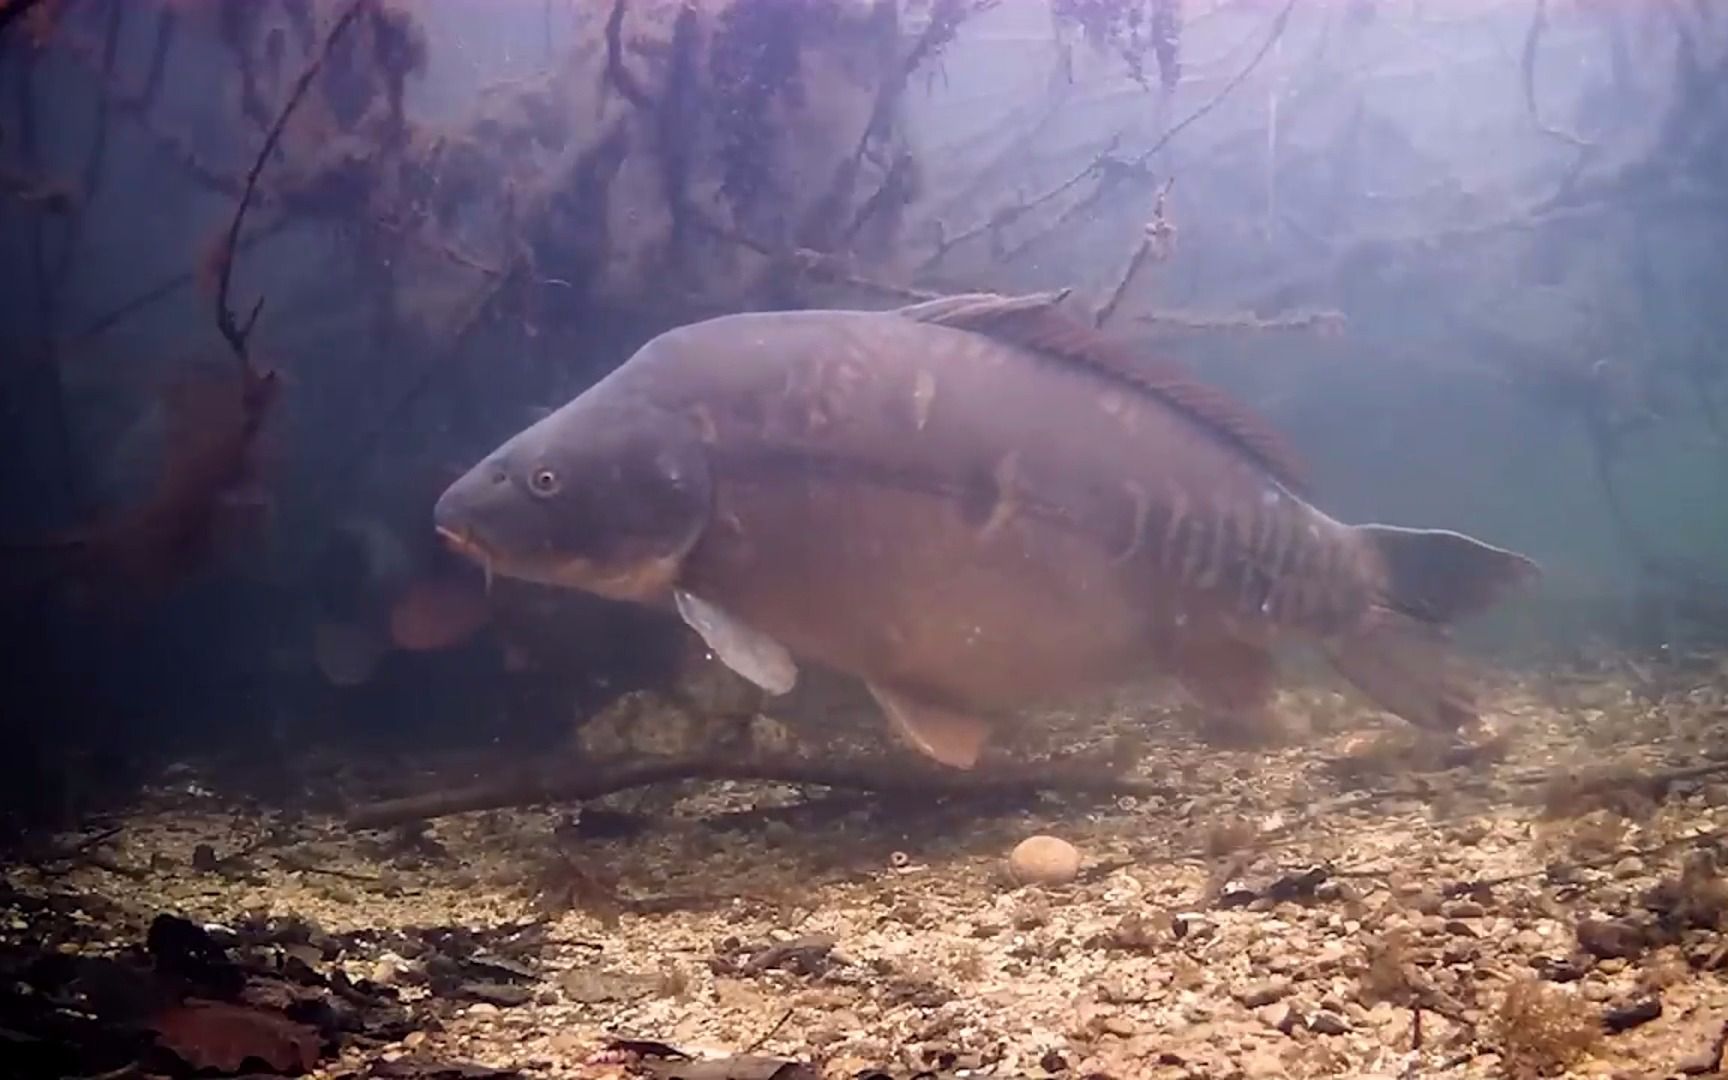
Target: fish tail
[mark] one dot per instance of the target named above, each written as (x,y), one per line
(1399,653)
(1436,576)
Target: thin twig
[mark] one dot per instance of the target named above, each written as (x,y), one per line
(1113,173)
(1154,242)
(1106,164)
(1114,300)
(1007,215)
(770,1033)
(1277,31)
(1322,322)
(456,337)
(235,334)
(618,76)
(834,268)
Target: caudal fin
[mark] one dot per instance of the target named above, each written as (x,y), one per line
(1400,654)
(1437,576)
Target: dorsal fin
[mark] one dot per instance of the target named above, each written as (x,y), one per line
(1036,322)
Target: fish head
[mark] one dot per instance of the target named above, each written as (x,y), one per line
(597,496)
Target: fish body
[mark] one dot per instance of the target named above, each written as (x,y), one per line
(974,505)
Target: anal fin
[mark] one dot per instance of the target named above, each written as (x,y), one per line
(1408,667)
(949,736)
(741,647)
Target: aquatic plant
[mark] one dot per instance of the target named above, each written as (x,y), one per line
(1541,1029)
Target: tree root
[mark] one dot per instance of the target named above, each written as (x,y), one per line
(576,782)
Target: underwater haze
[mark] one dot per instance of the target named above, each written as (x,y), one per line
(817,538)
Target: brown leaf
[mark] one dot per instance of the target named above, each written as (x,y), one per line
(216,1035)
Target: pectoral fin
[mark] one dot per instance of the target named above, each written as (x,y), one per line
(744,649)
(953,738)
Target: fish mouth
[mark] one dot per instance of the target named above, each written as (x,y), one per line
(634,580)
(460,539)
(464,543)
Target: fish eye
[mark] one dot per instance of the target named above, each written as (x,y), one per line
(543,482)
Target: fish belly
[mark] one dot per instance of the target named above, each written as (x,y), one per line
(895,587)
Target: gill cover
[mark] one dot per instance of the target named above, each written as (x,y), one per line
(641,501)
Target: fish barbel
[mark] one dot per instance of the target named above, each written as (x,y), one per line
(974,505)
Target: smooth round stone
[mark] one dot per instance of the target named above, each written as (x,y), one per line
(1044,860)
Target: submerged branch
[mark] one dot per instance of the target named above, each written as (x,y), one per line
(235,334)
(1156,243)
(1107,168)
(825,267)
(572,783)
(1272,37)
(474,313)
(1007,215)
(170,285)
(1325,322)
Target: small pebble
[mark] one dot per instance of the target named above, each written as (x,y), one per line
(1044,860)
(1262,1063)
(1626,1017)
(1610,938)
(1193,924)
(1629,867)
(1280,1016)
(1119,1025)
(1263,993)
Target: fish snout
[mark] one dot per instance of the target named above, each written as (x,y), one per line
(454,515)
(448,520)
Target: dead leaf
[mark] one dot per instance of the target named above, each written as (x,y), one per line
(216,1035)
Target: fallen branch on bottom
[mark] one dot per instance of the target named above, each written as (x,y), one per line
(578,781)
